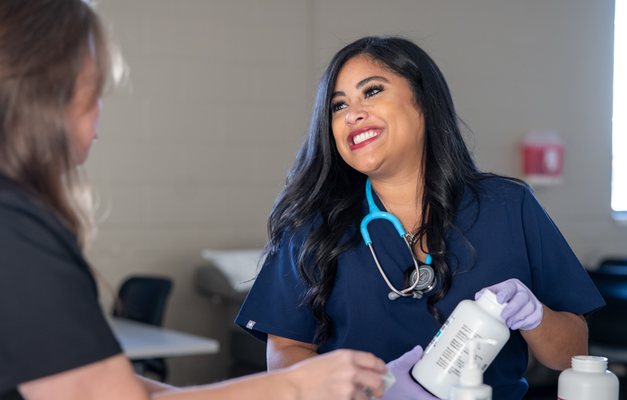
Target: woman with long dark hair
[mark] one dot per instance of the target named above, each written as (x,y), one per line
(54,340)
(384,129)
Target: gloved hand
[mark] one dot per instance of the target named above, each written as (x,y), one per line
(523,310)
(405,388)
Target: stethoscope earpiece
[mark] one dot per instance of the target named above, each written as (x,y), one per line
(422,279)
(393,296)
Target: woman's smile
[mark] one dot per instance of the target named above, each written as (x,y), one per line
(363,136)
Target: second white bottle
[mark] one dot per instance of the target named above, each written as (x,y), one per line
(443,359)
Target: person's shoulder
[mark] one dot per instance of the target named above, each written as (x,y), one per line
(26,218)
(14,203)
(299,233)
(17,205)
(503,189)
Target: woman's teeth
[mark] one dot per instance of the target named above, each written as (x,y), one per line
(364,136)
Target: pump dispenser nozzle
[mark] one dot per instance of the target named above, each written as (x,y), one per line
(471,385)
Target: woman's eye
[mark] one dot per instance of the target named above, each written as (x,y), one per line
(373,90)
(338,106)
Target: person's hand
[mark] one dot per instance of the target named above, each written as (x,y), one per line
(341,375)
(405,388)
(523,310)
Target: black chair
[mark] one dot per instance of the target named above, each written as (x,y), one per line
(143,299)
(607,327)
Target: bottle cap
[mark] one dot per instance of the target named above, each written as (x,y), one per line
(488,302)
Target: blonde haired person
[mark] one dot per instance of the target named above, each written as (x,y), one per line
(54,341)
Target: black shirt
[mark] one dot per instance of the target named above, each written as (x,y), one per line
(50,319)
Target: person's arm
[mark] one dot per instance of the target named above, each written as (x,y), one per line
(559,337)
(553,337)
(111,378)
(282,352)
(152,386)
(340,375)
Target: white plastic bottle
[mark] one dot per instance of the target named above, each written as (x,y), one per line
(440,367)
(471,386)
(588,379)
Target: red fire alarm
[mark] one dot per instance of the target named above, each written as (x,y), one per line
(543,158)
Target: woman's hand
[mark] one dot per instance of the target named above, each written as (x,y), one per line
(405,388)
(553,336)
(341,375)
(523,310)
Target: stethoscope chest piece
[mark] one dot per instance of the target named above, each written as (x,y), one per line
(426,282)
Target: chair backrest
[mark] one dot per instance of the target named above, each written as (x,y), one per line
(143,299)
(613,265)
(609,324)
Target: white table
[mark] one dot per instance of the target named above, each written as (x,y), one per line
(140,340)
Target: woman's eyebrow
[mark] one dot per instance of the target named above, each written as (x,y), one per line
(372,78)
(360,84)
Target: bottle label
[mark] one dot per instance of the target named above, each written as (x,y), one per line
(440,332)
(451,358)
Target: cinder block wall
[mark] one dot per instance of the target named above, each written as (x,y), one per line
(193,151)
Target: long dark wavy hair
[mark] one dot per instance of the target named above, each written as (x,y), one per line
(322,186)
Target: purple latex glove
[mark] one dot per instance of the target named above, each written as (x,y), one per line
(523,310)
(405,388)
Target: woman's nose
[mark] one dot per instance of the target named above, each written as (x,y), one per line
(355,116)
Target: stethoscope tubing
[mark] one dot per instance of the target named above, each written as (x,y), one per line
(375,213)
(404,292)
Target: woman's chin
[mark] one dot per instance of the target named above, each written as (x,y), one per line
(79,158)
(366,166)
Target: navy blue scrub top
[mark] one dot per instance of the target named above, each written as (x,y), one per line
(512,237)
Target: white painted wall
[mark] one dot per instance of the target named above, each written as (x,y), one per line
(193,152)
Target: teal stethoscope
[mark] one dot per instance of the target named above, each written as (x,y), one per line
(422,278)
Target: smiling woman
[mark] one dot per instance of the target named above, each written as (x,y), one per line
(384,115)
